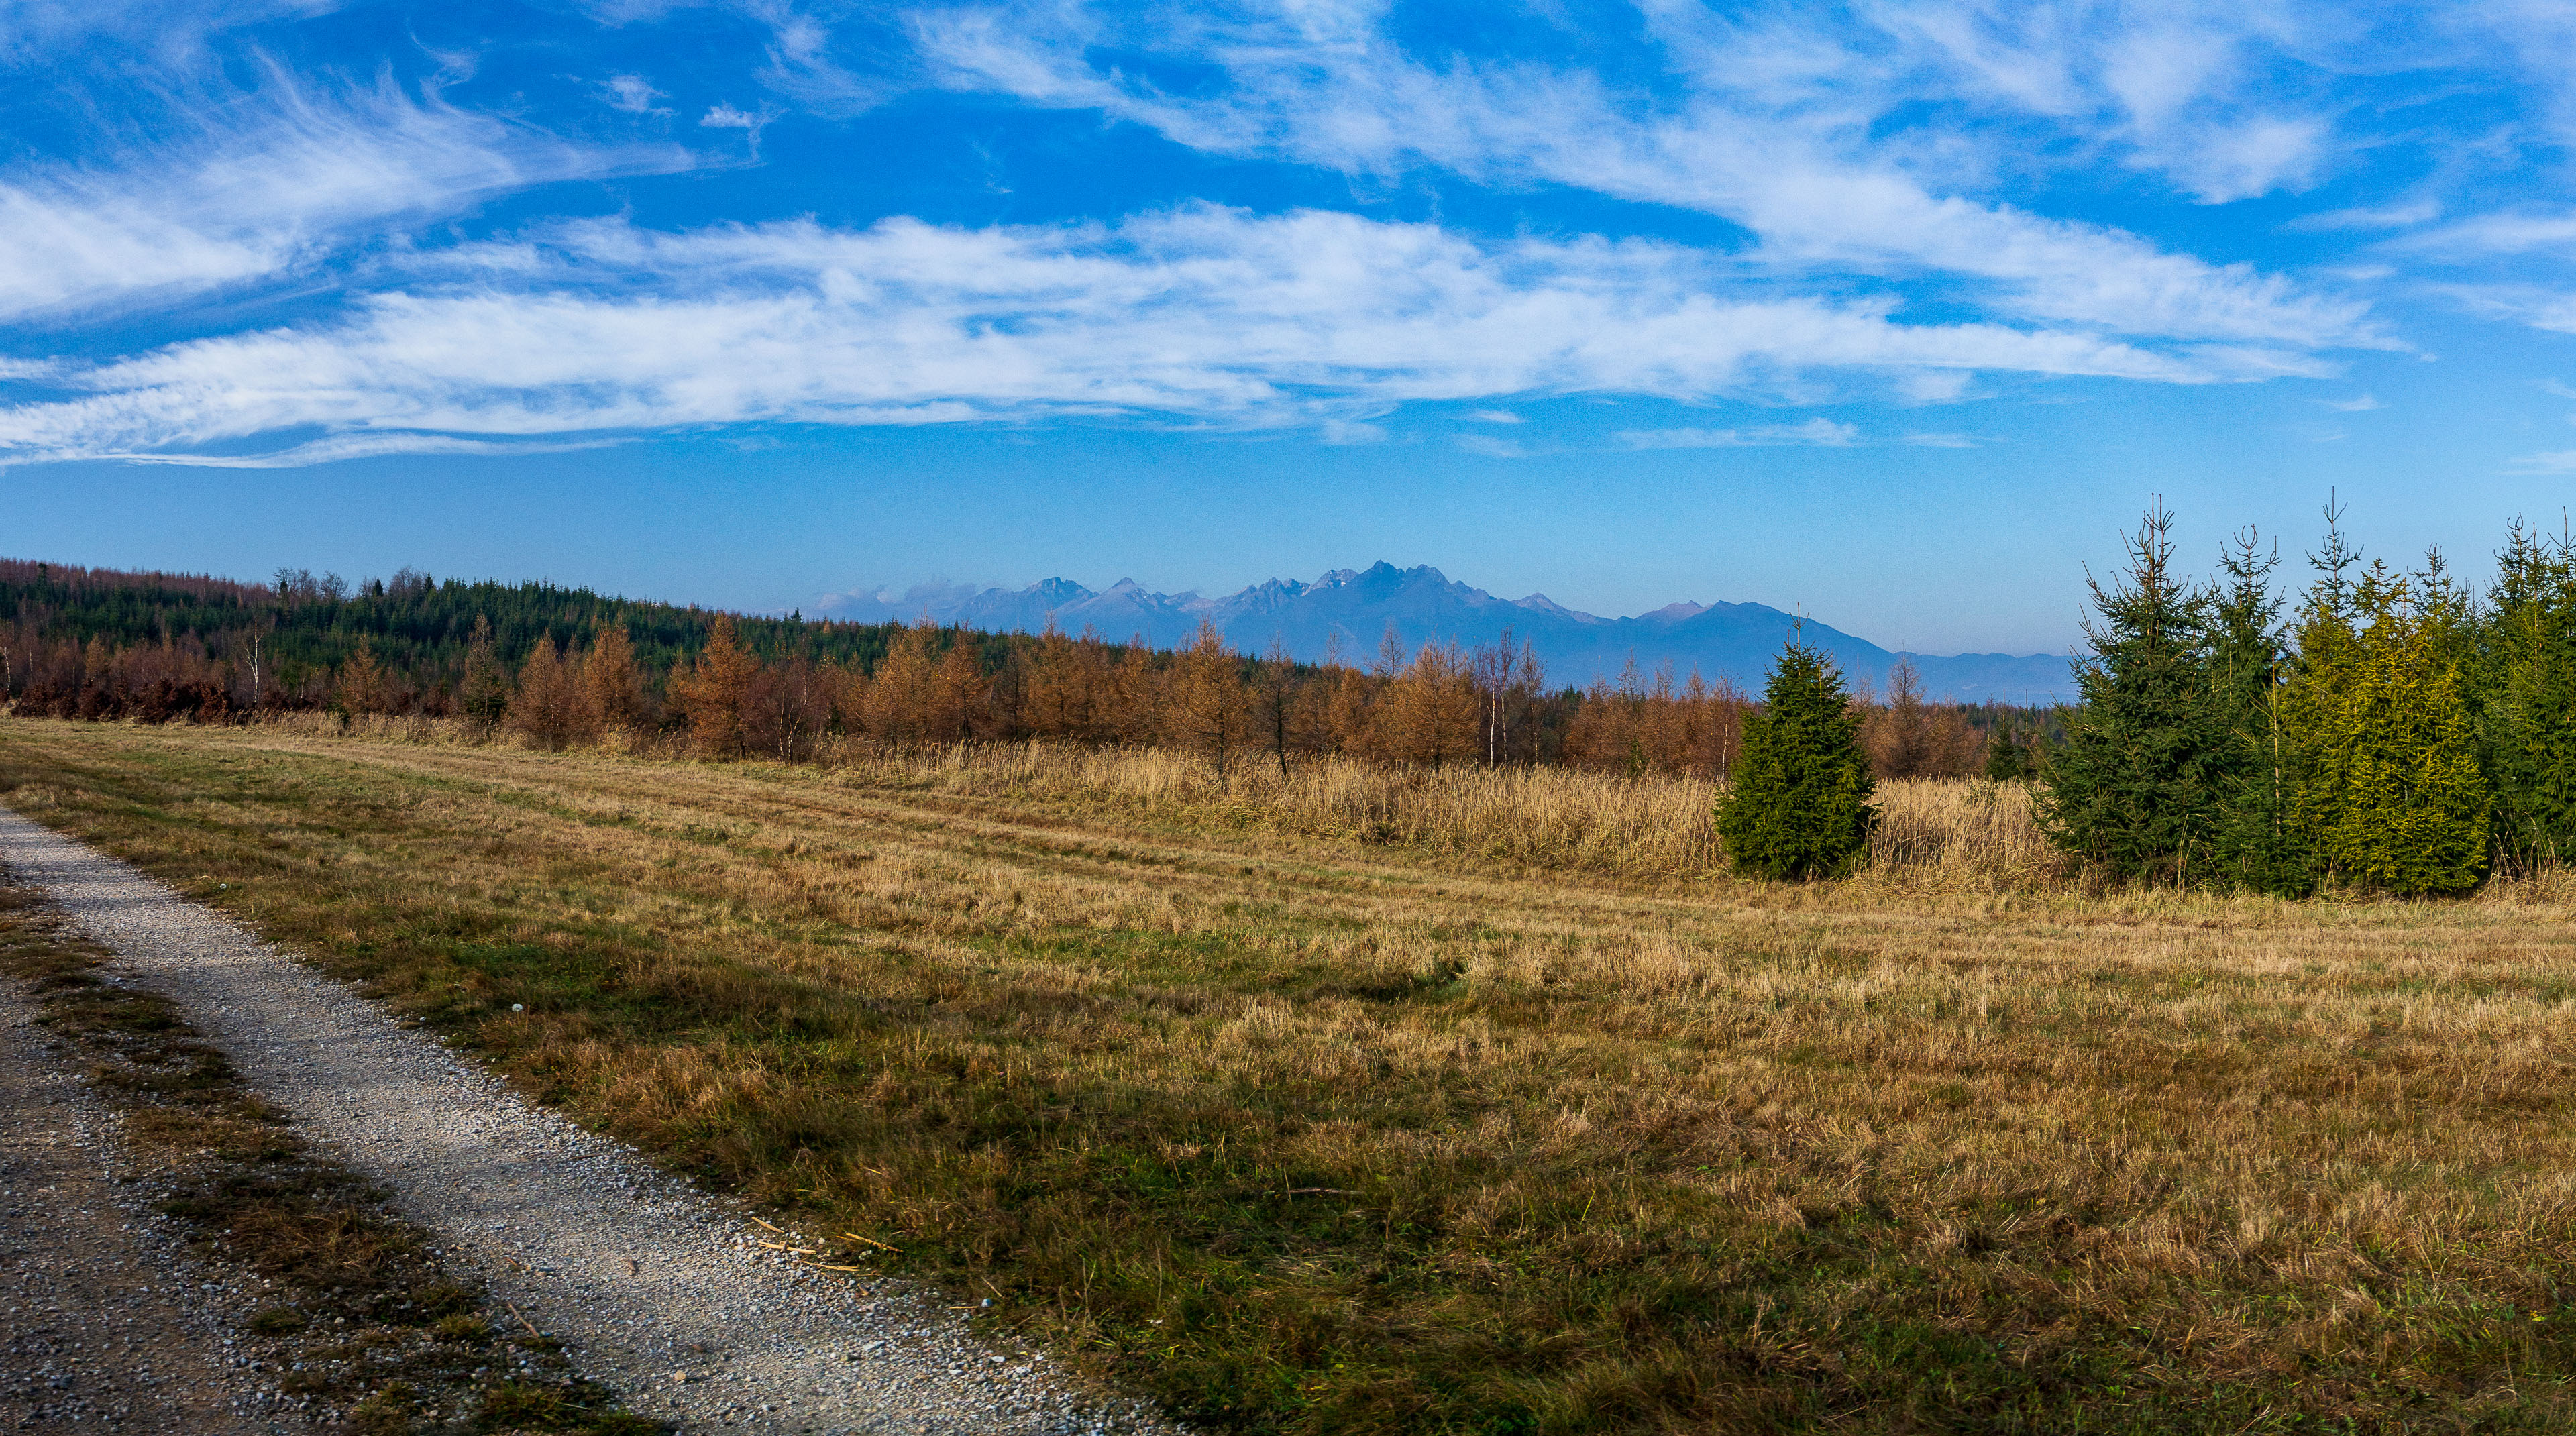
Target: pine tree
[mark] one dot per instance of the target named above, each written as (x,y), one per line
(2007,761)
(1277,692)
(1800,804)
(898,701)
(1206,707)
(2260,842)
(1429,709)
(362,686)
(849,698)
(2395,790)
(1900,737)
(2530,723)
(485,692)
(1093,691)
(1134,695)
(545,709)
(956,692)
(1052,688)
(713,692)
(612,690)
(2139,784)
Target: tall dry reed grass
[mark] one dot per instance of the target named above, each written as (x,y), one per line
(1938,832)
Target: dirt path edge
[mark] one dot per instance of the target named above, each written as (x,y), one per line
(654,1287)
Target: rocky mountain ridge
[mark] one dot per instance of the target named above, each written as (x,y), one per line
(1347,612)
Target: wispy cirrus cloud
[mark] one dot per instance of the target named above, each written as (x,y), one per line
(2538,306)
(1887,170)
(1818,432)
(2562,461)
(340,448)
(270,180)
(632,94)
(155,31)
(1200,316)
(1778,131)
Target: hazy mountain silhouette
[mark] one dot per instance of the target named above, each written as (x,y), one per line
(1348,611)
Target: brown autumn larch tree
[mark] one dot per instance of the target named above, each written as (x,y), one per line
(1205,706)
(711,694)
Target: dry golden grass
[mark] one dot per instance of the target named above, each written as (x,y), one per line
(1942,832)
(1384,1102)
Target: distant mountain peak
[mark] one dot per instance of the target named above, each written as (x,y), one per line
(1353,608)
(1541,603)
(1058,591)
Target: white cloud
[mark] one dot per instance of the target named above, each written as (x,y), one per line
(2359,404)
(342,447)
(1936,386)
(2505,232)
(1818,432)
(1495,416)
(2394,216)
(2561,462)
(1942,441)
(1488,446)
(633,94)
(1201,316)
(803,68)
(171,32)
(726,117)
(276,178)
(1777,134)
(2538,306)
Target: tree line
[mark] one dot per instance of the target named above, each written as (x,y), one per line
(565,666)
(2383,728)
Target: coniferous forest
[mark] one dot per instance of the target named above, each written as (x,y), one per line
(564,666)
(2382,728)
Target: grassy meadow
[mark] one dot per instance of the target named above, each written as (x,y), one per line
(1365,1101)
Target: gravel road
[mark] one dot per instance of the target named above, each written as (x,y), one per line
(101,1324)
(653,1287)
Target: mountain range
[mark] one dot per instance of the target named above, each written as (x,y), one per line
(1349,611)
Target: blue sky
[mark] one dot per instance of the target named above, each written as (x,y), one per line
(1893,312)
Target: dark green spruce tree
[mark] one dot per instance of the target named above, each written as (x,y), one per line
(2007,760)
(2139,785)
(2259,842)
(1800,804)
(2527,668)
(484,693)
